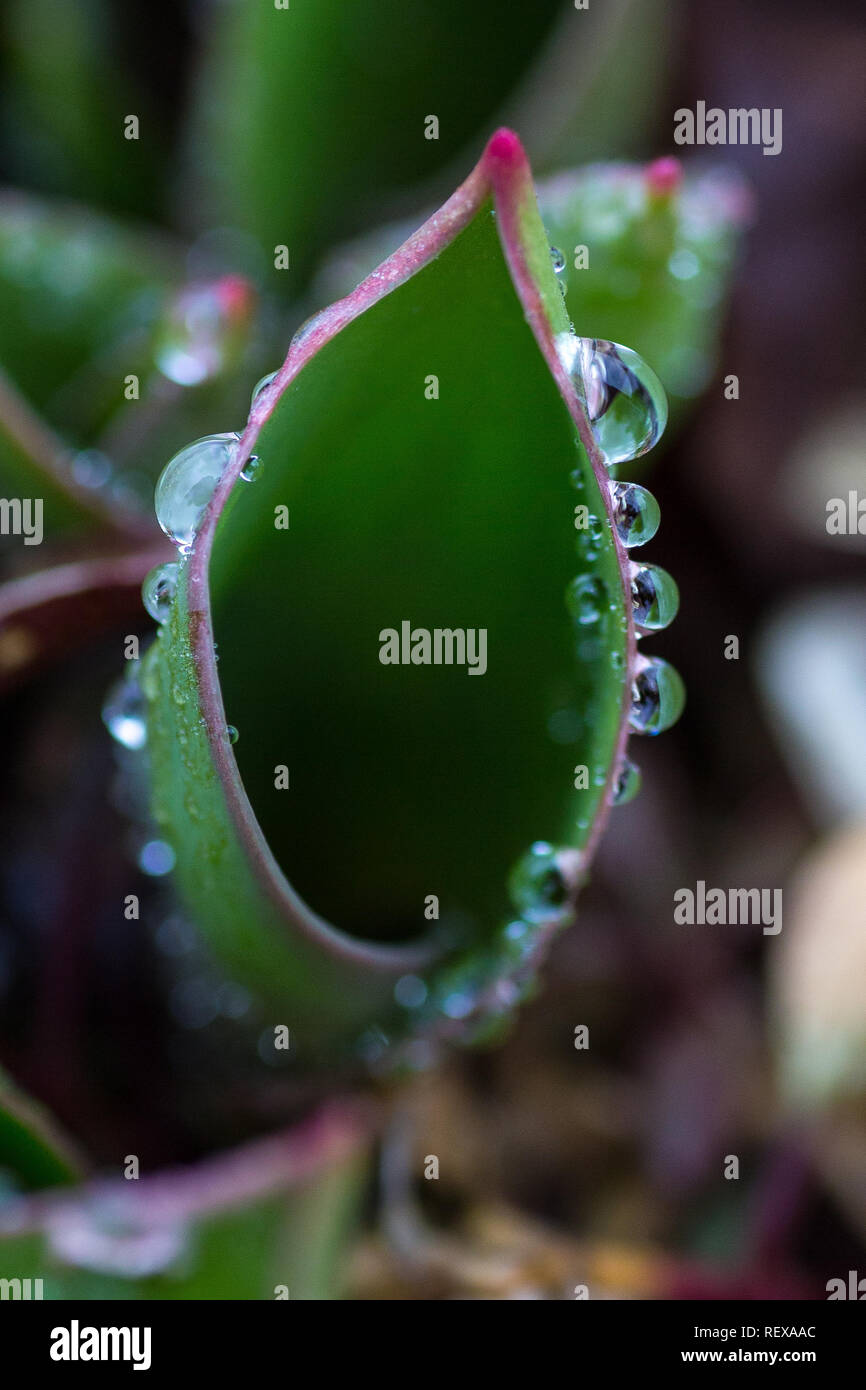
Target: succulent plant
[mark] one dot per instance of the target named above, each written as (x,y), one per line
(368,752)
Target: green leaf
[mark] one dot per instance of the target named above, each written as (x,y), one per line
(408,784)
(649,253)
(274,1215)
(660,247)
(76,146)
(33,1152)
(309,113)
(106,354)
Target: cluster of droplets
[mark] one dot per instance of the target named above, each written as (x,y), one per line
(473,999)
(627,411)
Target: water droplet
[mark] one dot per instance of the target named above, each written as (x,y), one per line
(234,1001)
(251,469)
(410,991)
(175,936)
(187,484)
(124,712)
(158,591)
(261,386)
(624,399)
(110,1236)
(232,733)
(654,595)
(202,329)
(658,697)
(194,1002)
(683,264)
(586,599)
(458,1004)
(91,469)
(627,784)
(557,260)
(156,858)
(537,885)
(636,513)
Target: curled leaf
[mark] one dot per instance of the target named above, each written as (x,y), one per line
(412,570)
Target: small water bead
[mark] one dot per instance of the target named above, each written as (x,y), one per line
(232,733)
(158,591)
(124,712)
(410,992)
(557,260)
(187,483)
(624,399)
(156,858)
(251,469)
(636,513)
(537,885)
(655,597)
(262,386)
(627,784)
(586,599)
(658,697)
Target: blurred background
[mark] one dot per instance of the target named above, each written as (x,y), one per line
(558,1167)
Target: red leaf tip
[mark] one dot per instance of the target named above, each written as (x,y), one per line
(505,147)
(664,176)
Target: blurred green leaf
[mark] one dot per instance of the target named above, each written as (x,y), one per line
(660,247)
(261,1222)
(308,115)
(64,104)
(32,1150)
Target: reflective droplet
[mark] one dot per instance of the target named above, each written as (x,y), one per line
(203,329)
(91,469)
(586,599)
(557,260)
(658,697)
(158,591)
(627,785)
(124,712)
(232,733)
(187,484)
(251,469)
(261,386)
(156,858)
(636,513)
(654,595)
(194,1002)
(110,1236)
(624,399)
(410,991)
(537,884)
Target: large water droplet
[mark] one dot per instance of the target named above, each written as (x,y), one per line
(624,399)
(187,484)
(538,886)
(658,697)
(654,595)
(636,513)
(124,712)
(158,591)
(627,784)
